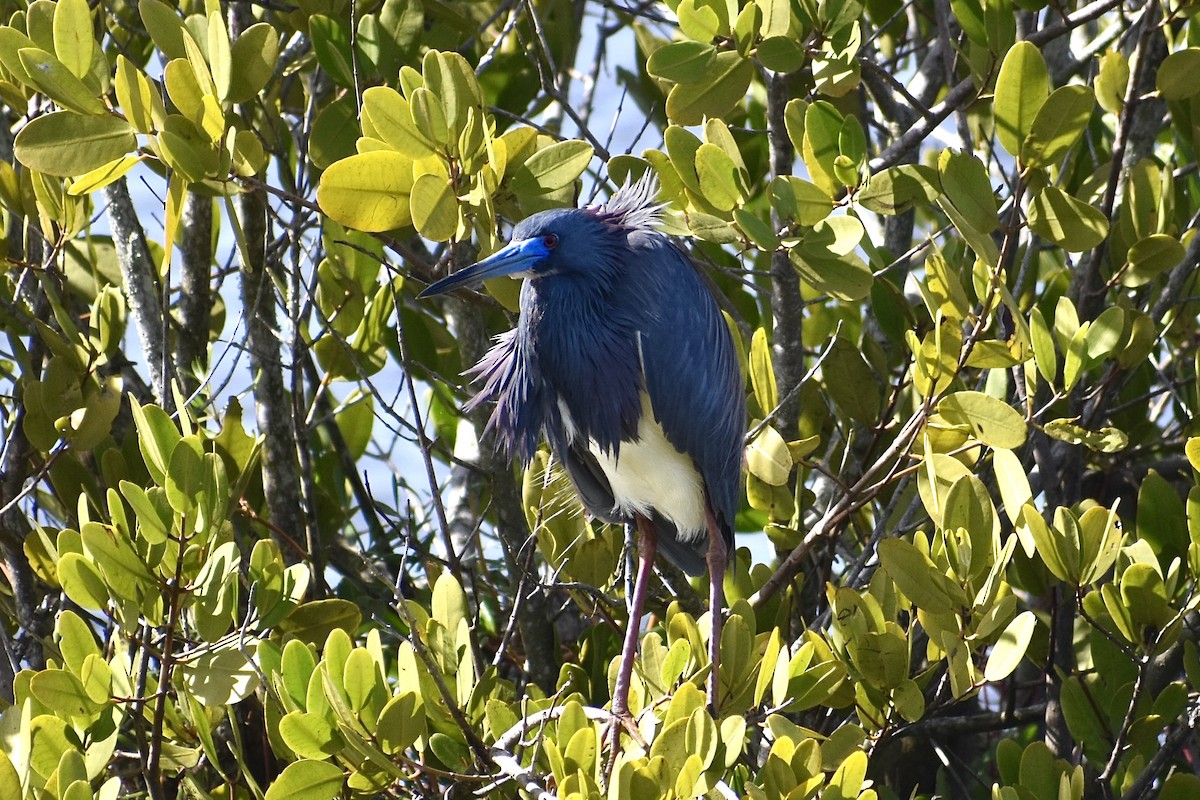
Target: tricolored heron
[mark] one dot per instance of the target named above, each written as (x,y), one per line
(623,361)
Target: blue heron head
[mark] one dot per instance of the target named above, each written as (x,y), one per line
(569,242)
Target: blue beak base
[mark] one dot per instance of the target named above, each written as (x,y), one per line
(516,259)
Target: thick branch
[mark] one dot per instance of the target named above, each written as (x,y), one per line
(272,406)
(195,298)
(141,291)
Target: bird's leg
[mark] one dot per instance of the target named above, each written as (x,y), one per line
(647,549)
(718,558)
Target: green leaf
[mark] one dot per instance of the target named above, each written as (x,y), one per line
(165,27)
(389,116)
(762,372)
(1021,89)
(1192,449)
(993,422)
(401,722)
(368,191)
(897,189)
(937,475)
(434,207)
(62,693)
(73,39)
(552,168)
(909,700)
(452,753)
(307,779)
(851,383)
(915,575)
(967,186)
(1009,650)
(822,127)
(254,57)
(1044,353)
(718,176)
(760,233)
(1161,518)
(185,474)
(82,582)
(682,62)
(310,735)
(727,82)
(1150,257)
(799,200)
(1050,544)
(1071,224)
(64,143)
(331,45)
(844,277)
(125,573)
(219,677)
(60,85)
(782,54)
(1058,125)
(1012,482)
(768,457)
(1177,74)
(313,621)
(1180,786)
(1112,80)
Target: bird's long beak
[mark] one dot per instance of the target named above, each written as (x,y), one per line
(515,259)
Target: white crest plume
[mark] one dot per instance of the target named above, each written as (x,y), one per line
(634,205)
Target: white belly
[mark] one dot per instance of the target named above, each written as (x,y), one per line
(650,475)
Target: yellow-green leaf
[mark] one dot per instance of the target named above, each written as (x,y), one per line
(59,83)
(768,457)
(1177,74)
(1008,651)
(369,191)
(220,60)
(762,372)
(254,57)
(1070,223)
(1021,89)
(1112,81)
(728,80)
(73,40)
(1150,257)
(1058,125)
(434,207)
(64,143)
(103,175)
(137,97)
(718,177)
(993,422)
(390,116)
(552,167)
(682,62)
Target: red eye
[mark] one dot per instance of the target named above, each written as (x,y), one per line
(550,240)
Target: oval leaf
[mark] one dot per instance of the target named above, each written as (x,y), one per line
(993,422)
(368,191)
(1021,89)
(65,144)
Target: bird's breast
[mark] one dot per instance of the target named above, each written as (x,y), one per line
(649,475)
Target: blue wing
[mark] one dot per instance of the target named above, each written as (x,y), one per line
(691,369)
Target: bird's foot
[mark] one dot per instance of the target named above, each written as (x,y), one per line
(617,720)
